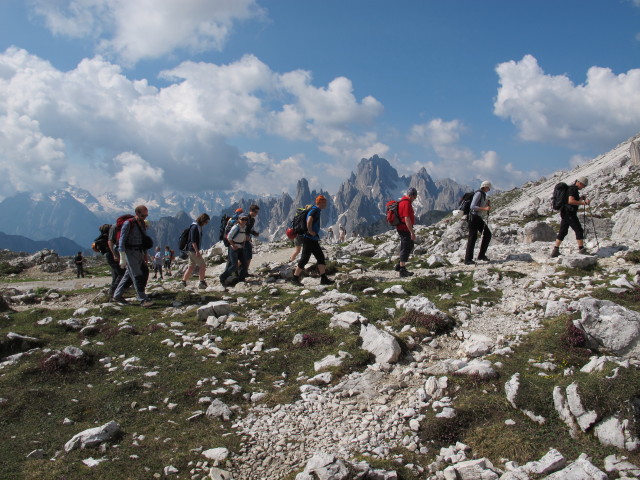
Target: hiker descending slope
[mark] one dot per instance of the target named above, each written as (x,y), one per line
(567,199)
(479,205)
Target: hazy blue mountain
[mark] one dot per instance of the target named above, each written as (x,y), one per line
(63,246)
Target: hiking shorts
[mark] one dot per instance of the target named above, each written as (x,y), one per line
(196,261)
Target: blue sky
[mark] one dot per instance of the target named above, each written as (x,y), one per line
(141,96)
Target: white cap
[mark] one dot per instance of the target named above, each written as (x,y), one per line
(486,183)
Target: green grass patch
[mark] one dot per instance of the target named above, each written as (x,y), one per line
(482,407)
(629,298)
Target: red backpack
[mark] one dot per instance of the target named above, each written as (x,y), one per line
(119,222)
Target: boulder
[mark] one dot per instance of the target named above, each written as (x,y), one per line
(616,433)
(346,319)
(610,326)
(93,437)
(218,409)
(626,224)
(578,261)
(581,469)
(324,466)
(382,344)
(537,232)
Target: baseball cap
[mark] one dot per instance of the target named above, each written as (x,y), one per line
(583,180)
(321,198)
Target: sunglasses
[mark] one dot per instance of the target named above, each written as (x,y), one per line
(243,219)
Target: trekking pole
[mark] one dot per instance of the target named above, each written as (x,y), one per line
(593,223)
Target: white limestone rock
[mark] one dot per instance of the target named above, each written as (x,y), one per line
(480,469)
(93,437)
(476,345)
(218,409)
(480,369)
(347,319)
(581,469)
(216,455)
(621,466)
(585,419)
(616,433)
(380,343)
(610,325)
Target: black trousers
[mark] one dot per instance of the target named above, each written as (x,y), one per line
(310,247)
(477,225)
(406,245)
(569,219)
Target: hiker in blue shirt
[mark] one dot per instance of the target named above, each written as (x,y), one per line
(311,243)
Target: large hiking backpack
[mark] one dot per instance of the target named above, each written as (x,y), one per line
(299,222)
(230,223)
(101,243)
(560,195)
(119,222)
(465,203)
(183,241)
(393,218)
(223,225)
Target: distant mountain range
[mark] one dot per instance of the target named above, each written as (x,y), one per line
(76,214)
(18,243)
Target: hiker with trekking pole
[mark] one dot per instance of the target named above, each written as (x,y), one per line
(479,205)
(567,199)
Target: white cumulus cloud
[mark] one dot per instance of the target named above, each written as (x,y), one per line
(548,108)
(461,163)
(132,30)
(86,117)
(135,175)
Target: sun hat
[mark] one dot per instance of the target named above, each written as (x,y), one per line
(486,183)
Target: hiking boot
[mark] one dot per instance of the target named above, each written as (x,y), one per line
(324,280)
(484,258)
(146,303)
(295,280)
(555,252)
(583,251)
(469,262)
(120,300)
(405,273)
(397,267)
(183,283)
(202,285)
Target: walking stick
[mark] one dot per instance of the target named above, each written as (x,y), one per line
(593,223)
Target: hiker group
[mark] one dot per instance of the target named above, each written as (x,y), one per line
(125,244)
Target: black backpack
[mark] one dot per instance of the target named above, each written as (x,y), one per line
(223,225)
(560,195)
(184,238)
(299,222)
(465,203)
(101,243)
